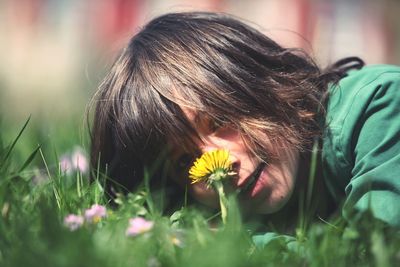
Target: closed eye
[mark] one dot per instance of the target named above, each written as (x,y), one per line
(214,125)
(184,161)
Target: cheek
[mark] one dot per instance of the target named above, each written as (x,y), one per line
(279,191)
(204,195)
(198,191)
(228,133)
(279,180)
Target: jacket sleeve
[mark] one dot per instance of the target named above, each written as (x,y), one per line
(375,183)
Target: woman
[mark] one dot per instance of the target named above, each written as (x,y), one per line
(189,83)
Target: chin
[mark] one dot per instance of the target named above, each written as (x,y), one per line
(272,205)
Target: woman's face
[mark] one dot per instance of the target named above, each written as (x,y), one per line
(268,186)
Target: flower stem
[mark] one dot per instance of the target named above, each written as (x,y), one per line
(223,202)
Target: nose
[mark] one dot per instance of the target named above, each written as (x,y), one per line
(211,144)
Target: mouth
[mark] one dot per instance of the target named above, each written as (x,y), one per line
(252,179)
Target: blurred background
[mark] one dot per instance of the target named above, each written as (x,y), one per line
(54,53)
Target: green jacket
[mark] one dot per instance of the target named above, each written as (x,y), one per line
(361,145)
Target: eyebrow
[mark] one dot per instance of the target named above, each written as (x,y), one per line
(197,118)
(201,119)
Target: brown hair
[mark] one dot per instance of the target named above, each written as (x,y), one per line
(218,66)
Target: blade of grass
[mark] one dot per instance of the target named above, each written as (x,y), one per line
(311,178)
(55,190)
(14,143)
(149,199)
(99,191)
(79,184)
(30,159)
(305,203)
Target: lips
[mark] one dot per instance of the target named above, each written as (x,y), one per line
(252,179)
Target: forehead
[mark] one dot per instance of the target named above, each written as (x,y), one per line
(199,122)
(191,114)
(182,134)
(183,98)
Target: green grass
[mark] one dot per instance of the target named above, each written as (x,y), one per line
(35,196)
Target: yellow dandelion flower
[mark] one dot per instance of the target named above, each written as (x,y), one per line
(211,166)
(214,167)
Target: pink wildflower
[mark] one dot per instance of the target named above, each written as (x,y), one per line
(138,226)
(75,161)
(73,221)
(95,213)
(65,164)
(79,160)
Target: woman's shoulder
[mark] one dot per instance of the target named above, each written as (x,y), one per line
(371,74)
(379,68)
(361,143)
(360,86)
(372,89)
(363,99)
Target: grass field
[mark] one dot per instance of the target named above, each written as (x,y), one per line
(40,186)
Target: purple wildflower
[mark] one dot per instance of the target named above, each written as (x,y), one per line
(73,221)
(138,226)
(95,213)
